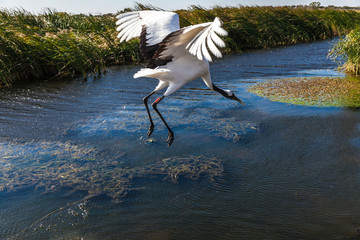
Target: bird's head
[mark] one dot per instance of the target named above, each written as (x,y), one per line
(229,94)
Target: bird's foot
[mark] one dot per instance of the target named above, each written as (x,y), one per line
(151,129)
(170,138)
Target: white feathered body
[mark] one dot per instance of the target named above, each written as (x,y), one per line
(183,53)
(187,68)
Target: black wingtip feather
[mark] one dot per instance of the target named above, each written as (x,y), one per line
(147,52)
(153,54)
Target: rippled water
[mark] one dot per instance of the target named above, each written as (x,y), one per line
(266,170)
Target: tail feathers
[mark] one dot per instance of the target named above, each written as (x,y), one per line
(151,73)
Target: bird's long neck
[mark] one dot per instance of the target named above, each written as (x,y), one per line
(219,90)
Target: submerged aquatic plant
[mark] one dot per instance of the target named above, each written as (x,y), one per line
(315,91)
(51,166)
(228,128)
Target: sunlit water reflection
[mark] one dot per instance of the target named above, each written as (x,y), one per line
(261,171)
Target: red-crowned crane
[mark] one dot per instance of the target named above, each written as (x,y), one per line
(174,56)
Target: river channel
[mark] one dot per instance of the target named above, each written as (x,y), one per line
(76,163)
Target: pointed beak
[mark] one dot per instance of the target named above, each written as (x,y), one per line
(237,99)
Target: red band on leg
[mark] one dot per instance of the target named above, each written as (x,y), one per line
(157,100)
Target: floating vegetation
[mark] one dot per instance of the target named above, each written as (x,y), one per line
(51,166)
(136,120)
(315,91)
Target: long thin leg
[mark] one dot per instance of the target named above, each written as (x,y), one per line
(170,132)
(151,127)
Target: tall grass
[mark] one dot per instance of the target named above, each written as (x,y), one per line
(348,50)
(262,27)
(58,45)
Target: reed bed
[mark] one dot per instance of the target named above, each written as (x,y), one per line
(347,52)
(265,27)
(55,45)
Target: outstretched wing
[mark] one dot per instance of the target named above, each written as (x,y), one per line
(161,38)
(200,40)
(206,38)
(155,25)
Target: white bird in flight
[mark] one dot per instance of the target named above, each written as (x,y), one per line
(174,56)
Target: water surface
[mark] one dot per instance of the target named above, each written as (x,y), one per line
(285,171)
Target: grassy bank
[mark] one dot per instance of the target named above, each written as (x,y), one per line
(347,51)
(56,45)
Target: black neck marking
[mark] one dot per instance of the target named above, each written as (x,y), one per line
(222,92)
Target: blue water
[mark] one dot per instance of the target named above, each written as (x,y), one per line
(287,172)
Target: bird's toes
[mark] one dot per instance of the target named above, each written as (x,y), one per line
(170,141)
(170,138)
(150,131)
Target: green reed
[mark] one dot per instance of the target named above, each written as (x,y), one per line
(55,45)
(264,27)
(58,45)
(348,50)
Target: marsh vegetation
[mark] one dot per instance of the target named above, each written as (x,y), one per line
(347,52)
(55,45)
(315,91)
